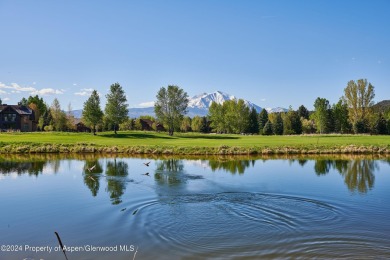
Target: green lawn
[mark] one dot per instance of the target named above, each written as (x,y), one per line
(137,138)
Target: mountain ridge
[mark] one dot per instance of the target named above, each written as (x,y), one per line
(198,105)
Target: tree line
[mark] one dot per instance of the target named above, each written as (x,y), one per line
(353,113)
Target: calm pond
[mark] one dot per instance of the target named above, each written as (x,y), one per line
(194,207)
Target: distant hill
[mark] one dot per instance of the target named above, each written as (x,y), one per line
(276,109)
(382,106)
(77,113)
(197,106)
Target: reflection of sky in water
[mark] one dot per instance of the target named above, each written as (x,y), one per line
(194,202)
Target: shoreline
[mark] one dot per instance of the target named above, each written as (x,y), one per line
(37,148)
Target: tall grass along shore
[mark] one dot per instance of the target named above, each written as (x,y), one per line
(137,142)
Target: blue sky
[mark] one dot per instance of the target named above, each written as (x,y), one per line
(273,53)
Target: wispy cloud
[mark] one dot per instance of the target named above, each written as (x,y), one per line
(47,91)
(146,104)
(3,92)
(16,87)
(6,99)
(74,84)
(84,92)
(263,99)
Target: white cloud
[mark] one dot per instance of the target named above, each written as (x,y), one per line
(34,83)
(263,99)
(74,84)
(6,99)
(3,92)
(16,87)
(147,104)
(84,92)
(47,91)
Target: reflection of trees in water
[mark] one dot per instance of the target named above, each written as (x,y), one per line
(116,184)
(322,167)
(54,164)
(232,166)
(31,168)
(170,165)
(168,172)
(358,173)
(302,162)
(92,177)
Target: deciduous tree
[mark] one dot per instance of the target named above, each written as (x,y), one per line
(217,117)
(171,106)
(196,123)
(359,96)
(59,117)
(321,106)
(185,124)
(340,114)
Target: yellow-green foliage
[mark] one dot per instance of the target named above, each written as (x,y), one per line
(136,142)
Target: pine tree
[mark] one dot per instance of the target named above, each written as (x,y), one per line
(92,113)
(303,112)
(277,127)
(268,128)
(263,119)
(253,125)
(116,110)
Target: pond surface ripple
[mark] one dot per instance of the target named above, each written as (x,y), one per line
(198,208)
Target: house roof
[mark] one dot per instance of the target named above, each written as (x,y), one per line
(21,110)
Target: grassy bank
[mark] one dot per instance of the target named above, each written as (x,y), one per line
(133,142)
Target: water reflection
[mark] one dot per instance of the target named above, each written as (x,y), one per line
(357,171)
(322,167)
(298,207)
(168,172)
(19,168)
(116,182)
(302,162)
(92,173)
(359,175)
(233,166)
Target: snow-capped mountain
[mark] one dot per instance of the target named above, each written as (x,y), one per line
(276,109)
(197,105)
(203,101)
